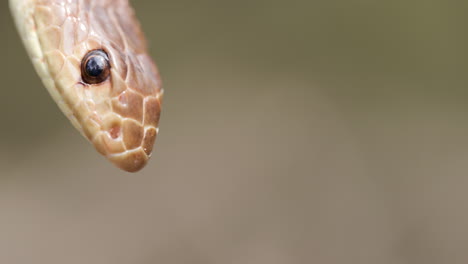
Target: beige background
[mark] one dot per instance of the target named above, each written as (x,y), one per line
(292,132)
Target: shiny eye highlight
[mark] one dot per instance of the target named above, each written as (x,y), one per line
(95,67)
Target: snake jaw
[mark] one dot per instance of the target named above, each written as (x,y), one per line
(120,115)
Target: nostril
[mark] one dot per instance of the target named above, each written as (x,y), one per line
(114,131)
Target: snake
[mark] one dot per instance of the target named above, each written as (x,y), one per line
(92,56)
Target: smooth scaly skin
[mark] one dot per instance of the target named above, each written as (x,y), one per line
(119,116)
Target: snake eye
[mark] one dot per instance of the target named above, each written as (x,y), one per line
(95,67)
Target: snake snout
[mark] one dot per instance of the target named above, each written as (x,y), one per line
(128,142)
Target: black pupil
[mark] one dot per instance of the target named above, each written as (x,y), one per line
(96,65)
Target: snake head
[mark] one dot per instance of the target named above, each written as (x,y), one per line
(93,59)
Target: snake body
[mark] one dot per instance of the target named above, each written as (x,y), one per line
(119,115)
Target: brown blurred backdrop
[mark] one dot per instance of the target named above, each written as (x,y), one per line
(292,132)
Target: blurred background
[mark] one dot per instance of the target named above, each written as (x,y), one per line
(292,132)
